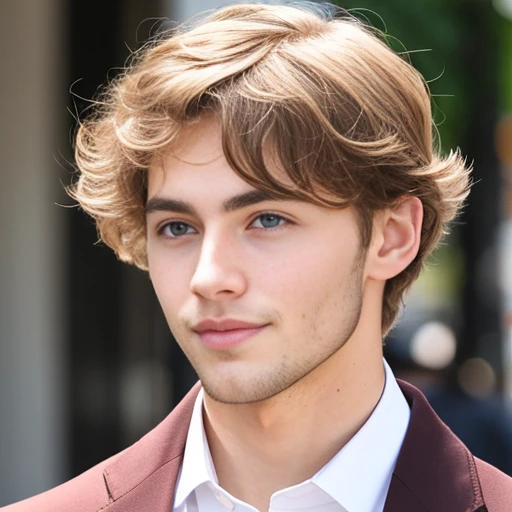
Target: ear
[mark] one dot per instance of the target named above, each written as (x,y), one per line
(396,239)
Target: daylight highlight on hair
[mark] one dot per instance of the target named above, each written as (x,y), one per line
(312,104)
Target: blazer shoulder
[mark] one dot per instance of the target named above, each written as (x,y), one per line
(85,493)
(496,487)
(144,462)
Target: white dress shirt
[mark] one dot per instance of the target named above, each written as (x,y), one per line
(356,479)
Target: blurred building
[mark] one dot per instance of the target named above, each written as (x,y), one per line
(87,363)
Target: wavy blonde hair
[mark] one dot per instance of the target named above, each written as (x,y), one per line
(307,87)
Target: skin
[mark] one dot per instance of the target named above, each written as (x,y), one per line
(306,279)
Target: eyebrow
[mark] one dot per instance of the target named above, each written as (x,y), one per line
(231,204)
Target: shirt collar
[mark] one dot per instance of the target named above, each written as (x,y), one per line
(197,467)
(369,457)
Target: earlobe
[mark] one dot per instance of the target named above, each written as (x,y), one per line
(396,241)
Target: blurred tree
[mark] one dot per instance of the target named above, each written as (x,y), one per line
(461,68)
(432,32)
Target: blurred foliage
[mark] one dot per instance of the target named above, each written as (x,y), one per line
(434,34)
(505,65)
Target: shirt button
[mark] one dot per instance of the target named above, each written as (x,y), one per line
(224,501)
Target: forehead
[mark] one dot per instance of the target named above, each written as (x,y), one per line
(199,143)
(196,160)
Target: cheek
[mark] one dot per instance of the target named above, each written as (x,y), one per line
(171,283)
(307,279)
(326,262)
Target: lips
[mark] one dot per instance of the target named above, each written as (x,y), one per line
(227,324)
(227,333)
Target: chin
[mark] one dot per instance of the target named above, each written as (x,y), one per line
(242,390)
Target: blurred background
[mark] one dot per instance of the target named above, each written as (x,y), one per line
(87,363)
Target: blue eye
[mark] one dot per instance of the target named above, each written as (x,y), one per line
(269,220)
(175,229)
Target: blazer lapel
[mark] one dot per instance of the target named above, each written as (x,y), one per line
(143,477)
(435,472)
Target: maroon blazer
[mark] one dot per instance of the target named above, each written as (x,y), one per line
(435,472)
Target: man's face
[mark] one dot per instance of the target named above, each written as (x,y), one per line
(292,270)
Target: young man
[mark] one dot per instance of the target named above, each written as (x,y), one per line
(273,168)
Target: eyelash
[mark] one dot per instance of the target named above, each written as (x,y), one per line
(161,229)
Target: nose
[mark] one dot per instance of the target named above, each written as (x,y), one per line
(218,274)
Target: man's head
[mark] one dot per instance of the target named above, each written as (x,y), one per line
(300,103)
(219,249)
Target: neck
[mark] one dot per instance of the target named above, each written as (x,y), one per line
(260,448)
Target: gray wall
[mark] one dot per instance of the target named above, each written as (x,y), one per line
(32,395)
(182,9)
